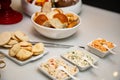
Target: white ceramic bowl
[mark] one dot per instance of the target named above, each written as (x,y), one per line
(55,33)
(29,9)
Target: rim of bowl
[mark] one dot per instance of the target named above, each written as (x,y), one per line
(79,1)
(32,19)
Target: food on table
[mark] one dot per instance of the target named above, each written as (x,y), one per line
(14,50)
(23,54)
(40,2)
(21,36)
(98,44)
(72,19)
(4,38)
(77,57)
(55,3)
(25,50)
(8,39)
(55,18)
(51,65)
(41,19)
(46,7)
(37,2)
(65,3)
(59,20)
(20,47)
(38,48)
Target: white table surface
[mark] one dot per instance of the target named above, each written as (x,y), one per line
(95,23)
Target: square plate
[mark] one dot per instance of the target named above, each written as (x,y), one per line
(33,58)
(75,56)
(51,71)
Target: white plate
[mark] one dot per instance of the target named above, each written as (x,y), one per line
(33,58)
(81,68)
(50,76)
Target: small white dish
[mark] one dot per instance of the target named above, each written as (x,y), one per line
(33,58)
(51,75)
(79,60)
(97,51)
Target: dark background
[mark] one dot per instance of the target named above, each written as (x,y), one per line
(111,5)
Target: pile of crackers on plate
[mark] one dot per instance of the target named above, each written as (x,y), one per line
(19,45)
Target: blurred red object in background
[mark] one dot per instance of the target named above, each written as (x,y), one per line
(7,14)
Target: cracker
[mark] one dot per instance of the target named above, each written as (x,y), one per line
(25,44)
(21,36)
(12,42)
(14,37)
(29,48)
(4,38)
(14,50)
(7,46)
(38,48)
(37,53)
(23,54)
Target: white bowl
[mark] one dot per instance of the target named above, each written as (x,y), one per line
(29,9)
(55,33)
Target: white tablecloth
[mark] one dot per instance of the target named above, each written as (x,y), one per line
(95,23)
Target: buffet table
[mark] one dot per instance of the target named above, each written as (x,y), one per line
(95,23)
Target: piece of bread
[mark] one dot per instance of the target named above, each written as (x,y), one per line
(62,17)
(58,10)
(47,7)
(59,21)
(56,23)
(41,19)
(55,18)
(72,24)
(71,17)
(51,14)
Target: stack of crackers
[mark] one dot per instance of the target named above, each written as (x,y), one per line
(19,45)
